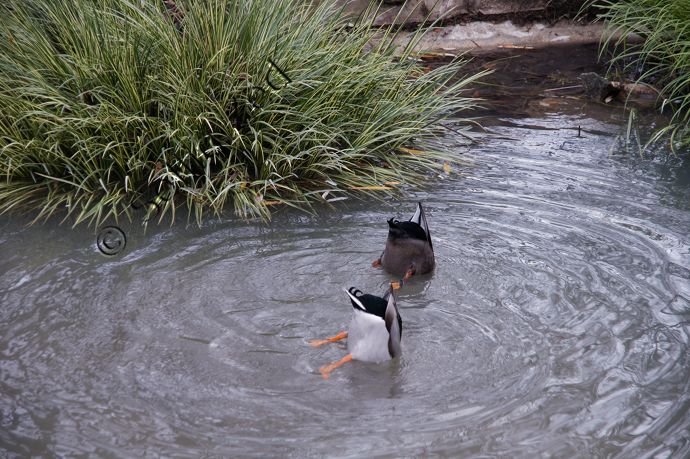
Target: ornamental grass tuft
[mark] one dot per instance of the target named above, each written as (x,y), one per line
(109,105)
(663,57)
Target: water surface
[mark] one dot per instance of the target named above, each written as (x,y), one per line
(555,325)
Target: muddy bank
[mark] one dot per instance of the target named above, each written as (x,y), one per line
(526,81)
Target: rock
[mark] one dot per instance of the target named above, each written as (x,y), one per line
(597,87)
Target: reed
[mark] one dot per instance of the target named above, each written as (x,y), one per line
(204,104)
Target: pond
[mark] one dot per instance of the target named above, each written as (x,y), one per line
(555,324)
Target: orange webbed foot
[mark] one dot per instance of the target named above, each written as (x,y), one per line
(397,285)
(332,339)
(326,369)
(376,263)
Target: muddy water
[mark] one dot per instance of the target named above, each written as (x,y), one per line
(556,323)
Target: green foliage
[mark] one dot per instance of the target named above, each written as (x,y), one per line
(664,55)
(109,102)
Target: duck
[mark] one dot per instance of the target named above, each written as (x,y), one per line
(375,330)
(409,250)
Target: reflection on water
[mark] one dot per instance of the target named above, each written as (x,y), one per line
(556,322)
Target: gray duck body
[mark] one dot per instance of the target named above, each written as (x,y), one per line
(409,246)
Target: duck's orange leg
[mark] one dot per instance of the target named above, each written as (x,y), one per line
(326,369)
(409,273)
(332,339)
(377,263)
(398,284)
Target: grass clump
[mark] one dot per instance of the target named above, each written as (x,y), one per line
(207,103)
(663,57)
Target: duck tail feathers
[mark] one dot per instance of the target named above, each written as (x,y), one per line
(418,214)
(420,219)
(393,325)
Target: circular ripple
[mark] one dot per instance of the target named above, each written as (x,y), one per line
(554,323)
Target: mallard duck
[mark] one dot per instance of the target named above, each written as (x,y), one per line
(375,330)
(408,248)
